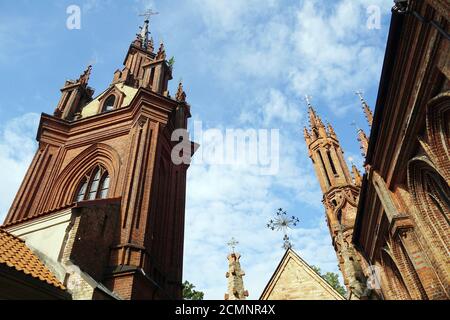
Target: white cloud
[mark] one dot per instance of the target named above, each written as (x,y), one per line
(306,48)
(17,148)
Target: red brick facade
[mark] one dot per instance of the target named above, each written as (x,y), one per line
(402,229)
(132,142)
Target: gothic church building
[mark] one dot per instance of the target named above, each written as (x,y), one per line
(390,227)
(102,205)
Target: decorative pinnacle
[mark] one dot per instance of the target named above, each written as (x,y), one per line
(366,108)
(232,244)
(84,78)
(283,222)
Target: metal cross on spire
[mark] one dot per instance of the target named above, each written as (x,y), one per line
(283,223)
(233,243)
(144,30)
(148,14)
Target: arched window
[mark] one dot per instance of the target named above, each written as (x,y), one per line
(82,190)
(104,186)
(93,186)
(109,103)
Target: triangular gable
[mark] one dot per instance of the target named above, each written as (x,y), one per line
(294,279)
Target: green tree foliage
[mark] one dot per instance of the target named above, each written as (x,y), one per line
(189,293)
(172,62)
(333,279)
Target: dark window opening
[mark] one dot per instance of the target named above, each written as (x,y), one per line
(152,76)
(333,168)
(324,168)
(109,103)
(339,216)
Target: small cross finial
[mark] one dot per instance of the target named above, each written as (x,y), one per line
(233,243)
(360,94)
(308,100)
(353,124)
(148,14)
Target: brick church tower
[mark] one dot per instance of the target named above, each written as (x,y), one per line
(340,198)
(102,203)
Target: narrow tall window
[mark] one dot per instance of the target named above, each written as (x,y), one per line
(333,168)
(324,168)
(94,186)
(82,190)
(109,103)
(104,186)
(152,76)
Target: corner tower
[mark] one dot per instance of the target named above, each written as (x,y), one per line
(102,202)
(340,198)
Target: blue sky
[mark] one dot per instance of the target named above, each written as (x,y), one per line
(244,64)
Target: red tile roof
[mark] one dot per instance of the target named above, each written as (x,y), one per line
(15,254)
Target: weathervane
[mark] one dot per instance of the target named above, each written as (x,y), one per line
(283,222)
(233,243)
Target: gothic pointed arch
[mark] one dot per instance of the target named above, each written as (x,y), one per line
(431,194)
(438,132)
(94,185)
(396,283)
(68,181)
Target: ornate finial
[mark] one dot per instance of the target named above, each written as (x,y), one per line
(84,78)
(282,223)
(161,55)
(232,244)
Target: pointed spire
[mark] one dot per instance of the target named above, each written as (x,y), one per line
(143,35)
(366,108)
(312,113)
(181,95)
(84,78)
(161,55)
(316,124)
(356,175)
